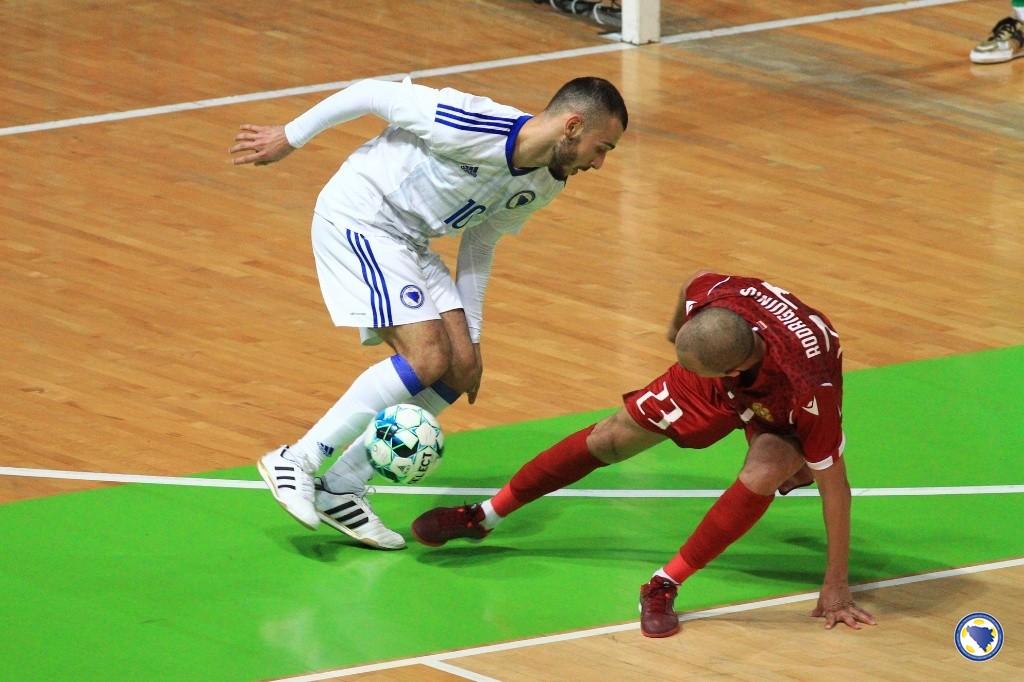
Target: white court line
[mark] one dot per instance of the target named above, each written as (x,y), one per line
(429,490)
(475,66)
(460,672)
(433,659)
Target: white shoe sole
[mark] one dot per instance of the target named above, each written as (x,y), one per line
(989,58)
(369,542)
(269,480)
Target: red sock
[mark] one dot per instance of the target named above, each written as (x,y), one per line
(566,462)
(729,518)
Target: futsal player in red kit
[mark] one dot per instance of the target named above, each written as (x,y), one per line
(751,356)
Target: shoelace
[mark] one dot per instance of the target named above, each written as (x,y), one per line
(661,595)
(458,516)
(1006,29)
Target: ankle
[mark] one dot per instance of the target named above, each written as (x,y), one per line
(491,517)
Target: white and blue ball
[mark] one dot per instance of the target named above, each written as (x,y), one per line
(404,443)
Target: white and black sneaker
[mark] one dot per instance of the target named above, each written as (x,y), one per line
(351,514)
(1006,42)
(290,484)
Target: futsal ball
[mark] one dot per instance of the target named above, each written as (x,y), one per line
(404,443)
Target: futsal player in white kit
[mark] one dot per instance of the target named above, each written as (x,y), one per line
(448,163)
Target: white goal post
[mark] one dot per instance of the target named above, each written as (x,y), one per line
(641,21)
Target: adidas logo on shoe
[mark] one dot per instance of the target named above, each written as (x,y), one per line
(351,514)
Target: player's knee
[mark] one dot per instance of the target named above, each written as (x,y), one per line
(606,443)
(430,363)
(770,461)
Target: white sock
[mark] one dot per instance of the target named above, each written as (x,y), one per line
(491,517)
(352,470)
(662,574)
(389,382)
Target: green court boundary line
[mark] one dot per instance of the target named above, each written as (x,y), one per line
(433,660)
(644,493)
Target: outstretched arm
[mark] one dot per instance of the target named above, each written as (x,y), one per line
(835,602)
(263,144)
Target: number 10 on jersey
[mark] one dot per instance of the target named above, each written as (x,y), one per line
(461,217)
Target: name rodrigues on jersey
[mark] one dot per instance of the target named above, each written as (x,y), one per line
(784,312)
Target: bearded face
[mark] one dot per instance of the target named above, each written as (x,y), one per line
(564,162)
(584,148)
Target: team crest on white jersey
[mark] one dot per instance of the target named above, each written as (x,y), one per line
(520,199)
(411,296)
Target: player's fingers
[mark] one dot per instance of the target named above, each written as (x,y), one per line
(848,618)
(248,158)
(817,612)
(250,127)
(863,616)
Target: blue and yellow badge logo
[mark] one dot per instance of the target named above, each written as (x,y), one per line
(978,636)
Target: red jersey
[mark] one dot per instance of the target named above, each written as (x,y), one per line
(797,389)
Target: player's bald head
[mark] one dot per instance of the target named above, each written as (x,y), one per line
(715,341)
(595,98)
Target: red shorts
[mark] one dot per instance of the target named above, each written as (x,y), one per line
(687,408)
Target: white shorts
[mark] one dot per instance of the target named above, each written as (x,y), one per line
(369,280)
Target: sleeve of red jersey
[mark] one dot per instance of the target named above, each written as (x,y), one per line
(698,290)
(819,426)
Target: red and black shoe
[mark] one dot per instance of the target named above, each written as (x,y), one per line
(658,618)
(441,524)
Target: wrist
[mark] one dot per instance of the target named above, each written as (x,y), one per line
(293,136)
(836,578)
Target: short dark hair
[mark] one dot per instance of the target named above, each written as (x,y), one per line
(591,94)
(718,338)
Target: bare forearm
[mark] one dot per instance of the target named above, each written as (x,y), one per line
(836,510)
(835,603)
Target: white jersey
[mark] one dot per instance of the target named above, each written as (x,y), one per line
(443,166)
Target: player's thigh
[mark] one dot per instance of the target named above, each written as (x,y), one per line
(771,460)
(684,407)
(369,280)
(619,437)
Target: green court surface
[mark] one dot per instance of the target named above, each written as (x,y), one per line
(183,583)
